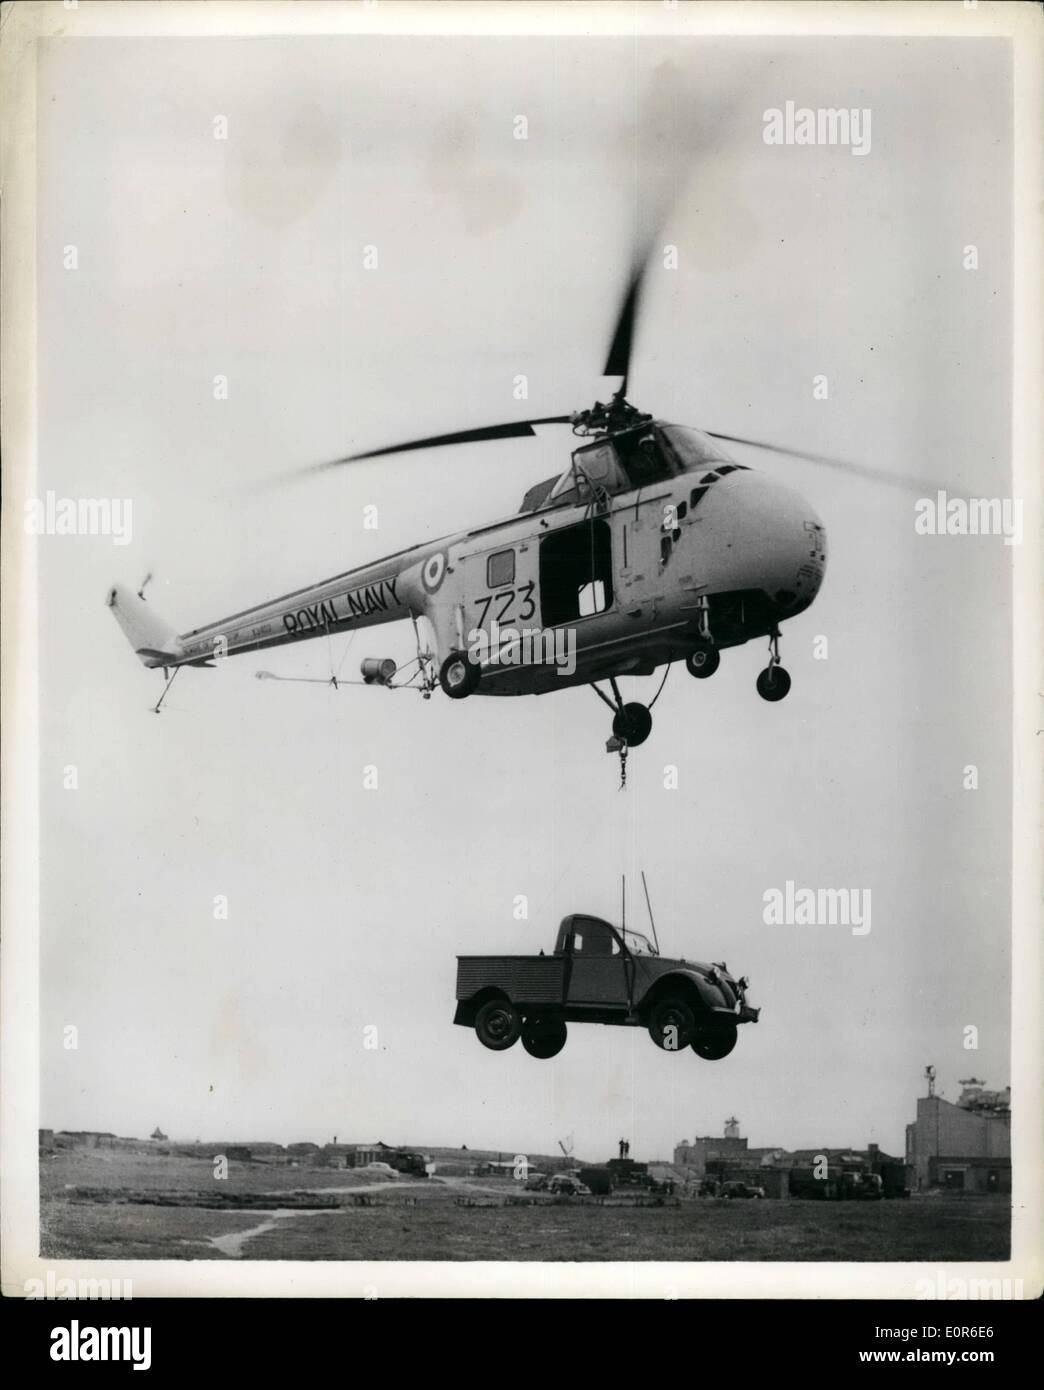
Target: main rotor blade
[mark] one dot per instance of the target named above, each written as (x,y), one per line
(513,429)
(861,470)
(618,363)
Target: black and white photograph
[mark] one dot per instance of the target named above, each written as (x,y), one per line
(657,370)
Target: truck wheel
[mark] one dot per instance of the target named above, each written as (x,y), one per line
(543,1038)
(672,1023)
(498,1024)
(459,675)
(712,1047)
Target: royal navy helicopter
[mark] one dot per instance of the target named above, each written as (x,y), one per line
(652,546)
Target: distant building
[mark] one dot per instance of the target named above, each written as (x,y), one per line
(369,1153)
(335,1156)
(497,1168)
(714,1160)
(84,1139)
(304,1150)
(964,1147)
(712,1151)
(157,1134)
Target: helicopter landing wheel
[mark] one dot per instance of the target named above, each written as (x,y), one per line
(773,683)
(703,660)
(632,723)
(458,675)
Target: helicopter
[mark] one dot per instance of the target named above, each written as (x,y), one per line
(653,545)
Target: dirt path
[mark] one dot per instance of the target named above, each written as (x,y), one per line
(232,1244)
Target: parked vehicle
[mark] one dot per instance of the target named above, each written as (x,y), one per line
(598,974)
(536,1182)
(741,1189)
(844,1185)
(599,1181)
(565,1185)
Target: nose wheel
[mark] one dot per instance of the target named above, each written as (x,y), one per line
(774,682)
(703,660)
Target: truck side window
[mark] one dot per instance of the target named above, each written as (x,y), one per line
(500,569)
(595,940)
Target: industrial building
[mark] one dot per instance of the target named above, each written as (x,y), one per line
(712,1160)
(962,1147)
(708,1154)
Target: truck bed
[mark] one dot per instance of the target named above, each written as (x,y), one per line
(524,979)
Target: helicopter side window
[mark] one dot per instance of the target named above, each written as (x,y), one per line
(500,569)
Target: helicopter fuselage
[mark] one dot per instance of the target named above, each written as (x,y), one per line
(652,541)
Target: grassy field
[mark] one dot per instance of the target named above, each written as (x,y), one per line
(104,1206)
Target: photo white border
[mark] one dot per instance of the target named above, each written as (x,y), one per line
(21,25)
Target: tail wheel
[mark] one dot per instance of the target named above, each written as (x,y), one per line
(712,1047)
(633,724)
(498,1024)
(703,660)
(672,1023)
(543,1037)
(459,675)
(773,683)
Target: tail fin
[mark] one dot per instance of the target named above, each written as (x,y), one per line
(155,643)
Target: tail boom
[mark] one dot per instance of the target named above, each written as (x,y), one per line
(383,592)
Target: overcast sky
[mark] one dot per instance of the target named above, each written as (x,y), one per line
(347,907)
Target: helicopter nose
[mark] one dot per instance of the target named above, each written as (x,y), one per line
(769,538)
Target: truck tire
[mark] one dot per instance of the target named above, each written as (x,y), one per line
(675,1013)
(713,1046)
(498,1024)
(543,1037)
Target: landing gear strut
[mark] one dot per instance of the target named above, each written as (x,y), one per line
(704,659)
(774,682)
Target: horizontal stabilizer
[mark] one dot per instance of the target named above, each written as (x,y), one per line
(155,643)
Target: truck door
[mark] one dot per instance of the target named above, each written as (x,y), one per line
(598,974)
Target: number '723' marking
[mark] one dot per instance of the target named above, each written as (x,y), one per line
(506,599)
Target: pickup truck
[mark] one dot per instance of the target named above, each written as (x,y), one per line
(599,974)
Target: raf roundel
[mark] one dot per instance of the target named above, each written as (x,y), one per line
(433,571)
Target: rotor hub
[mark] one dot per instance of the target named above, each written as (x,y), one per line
(619,414)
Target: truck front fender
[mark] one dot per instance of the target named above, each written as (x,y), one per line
(685,982)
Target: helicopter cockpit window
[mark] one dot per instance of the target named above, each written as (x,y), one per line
(708,478)
(643,458)
(593,468)
(693,449)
